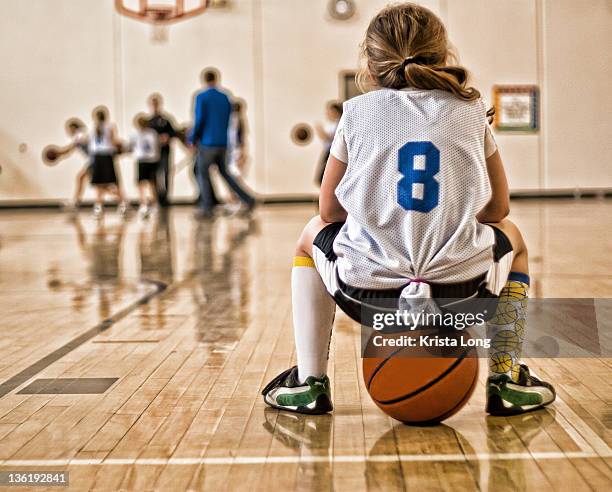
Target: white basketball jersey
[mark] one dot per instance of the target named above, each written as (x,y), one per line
(79,139)
(101,144)
(145,145)
(416,177)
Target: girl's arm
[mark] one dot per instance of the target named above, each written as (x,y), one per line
(330,209)
(322,133)
(499,204)
(67,149)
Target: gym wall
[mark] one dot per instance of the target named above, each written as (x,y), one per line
(284,58)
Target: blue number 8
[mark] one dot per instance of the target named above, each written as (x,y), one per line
(425,177)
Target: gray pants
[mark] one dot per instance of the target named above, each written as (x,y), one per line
(208,156)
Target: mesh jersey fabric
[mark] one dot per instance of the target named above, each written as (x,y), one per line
(384,245)
(102,144)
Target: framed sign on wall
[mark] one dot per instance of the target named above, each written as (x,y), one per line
(516,108)
(348,85)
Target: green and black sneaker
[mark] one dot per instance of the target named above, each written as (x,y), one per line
(505,397)
(286,393)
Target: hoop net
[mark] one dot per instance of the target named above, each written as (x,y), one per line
(158,16)
(159,33)
(161,15)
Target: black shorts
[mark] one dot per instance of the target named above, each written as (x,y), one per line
(475,295)
(103,170)
(147,171)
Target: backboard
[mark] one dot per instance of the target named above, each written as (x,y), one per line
(161,11)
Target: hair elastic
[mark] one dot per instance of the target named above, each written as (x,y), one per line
(412,59)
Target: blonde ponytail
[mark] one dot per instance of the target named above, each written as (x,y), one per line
(406,46)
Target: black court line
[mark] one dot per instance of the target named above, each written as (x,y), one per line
(32,370)
(68,386)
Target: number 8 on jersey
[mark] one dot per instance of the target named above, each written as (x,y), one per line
(423,176)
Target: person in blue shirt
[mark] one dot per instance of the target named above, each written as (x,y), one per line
(212,114)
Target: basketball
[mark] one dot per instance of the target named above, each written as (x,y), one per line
(50,155)
(418,386)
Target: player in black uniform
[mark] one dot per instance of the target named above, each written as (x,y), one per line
(162,123)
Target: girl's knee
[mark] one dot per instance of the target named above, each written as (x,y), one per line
(303,246)
(511,230)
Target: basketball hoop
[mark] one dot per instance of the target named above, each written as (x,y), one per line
(161,15)
(166,13)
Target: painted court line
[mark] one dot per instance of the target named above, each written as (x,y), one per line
(261,460)
(32,370)
(578,429)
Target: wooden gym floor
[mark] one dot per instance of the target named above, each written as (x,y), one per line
(164,388)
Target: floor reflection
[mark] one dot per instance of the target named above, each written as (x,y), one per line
(222,279)
(118,261)
(312,436)
(101,252)
(513,435)
(416,442)
(504,435)
(305,436)
(155,248)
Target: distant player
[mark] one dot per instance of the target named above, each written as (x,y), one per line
(103,145)
(144,145)
(77,132)
(412,206)
(326,133)
(237,140)
(236,151)
(162,123)
(212,110)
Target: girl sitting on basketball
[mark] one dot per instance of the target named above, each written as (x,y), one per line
(412,205)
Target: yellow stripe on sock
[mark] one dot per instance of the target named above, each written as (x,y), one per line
(303,261)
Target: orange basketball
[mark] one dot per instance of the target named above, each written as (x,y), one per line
(420,385)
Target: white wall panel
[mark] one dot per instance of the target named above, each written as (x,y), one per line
(578,57)
(496,41)
(56,59)
(60,58)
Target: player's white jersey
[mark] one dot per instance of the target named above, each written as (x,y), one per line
(145,146)
(416,178)
(101,144)
(79,139)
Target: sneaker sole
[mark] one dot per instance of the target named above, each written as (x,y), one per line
(323,406)
(496,408)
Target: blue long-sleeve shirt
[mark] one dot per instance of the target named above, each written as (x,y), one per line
(212,114)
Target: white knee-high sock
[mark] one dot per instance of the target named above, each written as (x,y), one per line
(313,317)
